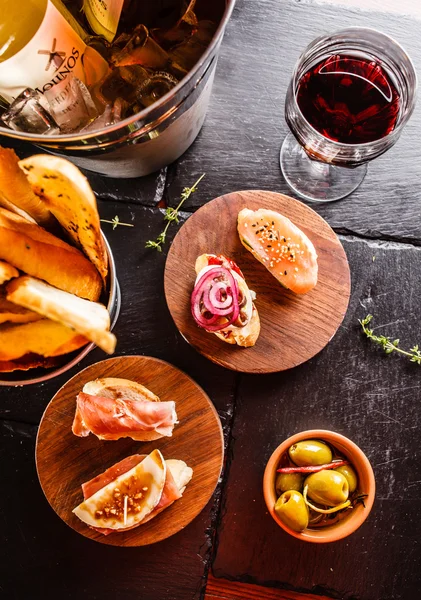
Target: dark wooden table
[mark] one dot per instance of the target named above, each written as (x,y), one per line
(350,387)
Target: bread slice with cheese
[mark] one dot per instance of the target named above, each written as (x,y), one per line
(90,319)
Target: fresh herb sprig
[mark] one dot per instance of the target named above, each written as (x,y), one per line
(116,221)
(387,343)
(171,215)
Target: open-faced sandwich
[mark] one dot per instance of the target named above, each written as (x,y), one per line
(280,246)
(112,408)
(222,303)
(132,492)
(53,263)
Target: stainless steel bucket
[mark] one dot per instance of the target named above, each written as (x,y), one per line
(150,139)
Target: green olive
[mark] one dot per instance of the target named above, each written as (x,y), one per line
(288,481)
(350,475)
(292,510)
(310,452)
(327,487)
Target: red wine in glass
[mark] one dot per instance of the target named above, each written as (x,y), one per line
(349,99)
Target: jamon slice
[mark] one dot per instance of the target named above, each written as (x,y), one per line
(173,487)
(115,418)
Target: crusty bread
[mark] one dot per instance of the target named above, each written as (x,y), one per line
(247,335)
(114,387)
(43,337)
(15,192)
(66,192)
(7,272)
(182,475)
(243,336)
(29,361)
(90,319)
(33,250)
(12,313)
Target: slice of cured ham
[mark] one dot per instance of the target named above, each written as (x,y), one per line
(115,418)
(170,492)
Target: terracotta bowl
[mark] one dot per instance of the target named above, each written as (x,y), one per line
(366,485)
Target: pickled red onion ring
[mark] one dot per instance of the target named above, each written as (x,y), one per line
(213,293)
(218,278)
(214,305)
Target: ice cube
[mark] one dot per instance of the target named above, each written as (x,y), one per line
(156,86)
(122,82)
(183,29)
(112,114)
(141,49)
(29,112)
(188,52)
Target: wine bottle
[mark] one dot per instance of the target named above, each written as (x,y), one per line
(107,17)
(40,49)
(103,16)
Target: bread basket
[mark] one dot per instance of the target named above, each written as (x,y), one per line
(38,375)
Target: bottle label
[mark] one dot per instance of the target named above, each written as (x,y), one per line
(103,16)
(54,51)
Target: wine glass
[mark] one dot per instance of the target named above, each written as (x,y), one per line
(349,98)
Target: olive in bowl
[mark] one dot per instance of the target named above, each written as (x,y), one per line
(319,486)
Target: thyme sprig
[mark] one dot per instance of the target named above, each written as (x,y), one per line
(171,216)
(387,343)
(116,221)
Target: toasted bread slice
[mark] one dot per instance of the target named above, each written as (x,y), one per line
(30,361)
(182,475)
(66,192)
(242,335)
(286,251)
(43,337)
(33,250)
(90,319)
(114,387)
(12,313)
(7,272)
(16,193)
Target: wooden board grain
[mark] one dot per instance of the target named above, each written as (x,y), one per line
(65,461)
(293,327)
(222,589)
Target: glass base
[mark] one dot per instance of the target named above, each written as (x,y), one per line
(317,181)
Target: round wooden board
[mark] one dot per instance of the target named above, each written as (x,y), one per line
(293,327)
(65,461)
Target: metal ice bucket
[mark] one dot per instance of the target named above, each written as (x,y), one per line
(151,139)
